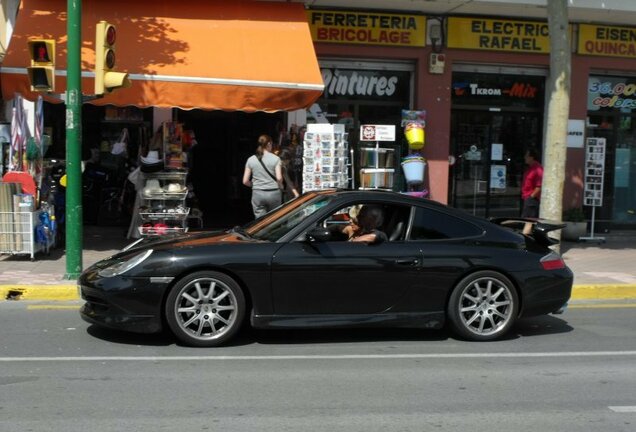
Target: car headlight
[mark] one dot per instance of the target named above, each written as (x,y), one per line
(119,267)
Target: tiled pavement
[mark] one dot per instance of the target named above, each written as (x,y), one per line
(99,243)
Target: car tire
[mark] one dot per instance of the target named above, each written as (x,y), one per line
(483,306)
(205,309)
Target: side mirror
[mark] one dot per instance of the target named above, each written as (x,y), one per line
(319,234)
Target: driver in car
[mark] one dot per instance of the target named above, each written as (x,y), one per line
(365,227)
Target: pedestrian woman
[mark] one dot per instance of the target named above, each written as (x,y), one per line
(290,186)
(263,173)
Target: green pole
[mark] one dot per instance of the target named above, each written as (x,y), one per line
(74,141)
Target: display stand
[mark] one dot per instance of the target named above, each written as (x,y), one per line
(163,204)
(376,163)
(17,236)
(325,157)
(593,187)
(377,167)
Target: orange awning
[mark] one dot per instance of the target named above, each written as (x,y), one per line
(222,54)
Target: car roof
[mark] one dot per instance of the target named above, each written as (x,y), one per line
(402,198)
(384,194)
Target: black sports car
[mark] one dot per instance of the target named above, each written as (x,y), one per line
(294,267)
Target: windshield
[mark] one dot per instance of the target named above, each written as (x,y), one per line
(280,221)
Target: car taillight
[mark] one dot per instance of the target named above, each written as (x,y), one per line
(552,261)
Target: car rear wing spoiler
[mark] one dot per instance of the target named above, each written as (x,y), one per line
(540,227)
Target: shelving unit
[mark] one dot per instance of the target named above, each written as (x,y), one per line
(17,236)
(163,210)
(377,168)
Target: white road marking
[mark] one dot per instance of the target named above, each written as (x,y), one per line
(325,357)
(623,409)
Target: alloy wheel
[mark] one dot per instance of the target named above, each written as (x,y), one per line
(486,306)
(205,309)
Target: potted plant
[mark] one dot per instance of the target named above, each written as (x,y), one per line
(575,224)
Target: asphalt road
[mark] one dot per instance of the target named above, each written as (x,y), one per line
(574,372)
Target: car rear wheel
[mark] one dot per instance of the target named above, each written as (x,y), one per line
(483,306)
(205,309)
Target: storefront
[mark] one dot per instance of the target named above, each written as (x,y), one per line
(496,116)
(604,86)
(366,92)
(498,108)
(369,66)
(612,115)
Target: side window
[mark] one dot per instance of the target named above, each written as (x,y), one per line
(392,221)
(434,225)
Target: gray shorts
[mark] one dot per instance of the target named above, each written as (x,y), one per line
(265,200)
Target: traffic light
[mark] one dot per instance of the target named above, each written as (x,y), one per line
(42,70)
(106,79)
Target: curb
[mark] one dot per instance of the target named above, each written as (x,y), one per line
(63,292)
(67,292)
(604,292)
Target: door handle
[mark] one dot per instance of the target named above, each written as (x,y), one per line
(407,262)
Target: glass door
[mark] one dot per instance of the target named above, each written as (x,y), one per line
(487,149)
(624,208)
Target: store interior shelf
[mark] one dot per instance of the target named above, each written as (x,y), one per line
(377,170)
(165,195)
(165,215)
(169,175)
(150,231)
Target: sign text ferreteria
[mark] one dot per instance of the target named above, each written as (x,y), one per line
(367,28)
(601,40)
(498,35)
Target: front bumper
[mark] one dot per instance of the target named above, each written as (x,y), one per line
(94,314)
(124,303)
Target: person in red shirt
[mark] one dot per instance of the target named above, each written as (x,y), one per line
(531,188)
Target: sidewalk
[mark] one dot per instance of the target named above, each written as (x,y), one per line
(43,278)
(605,271)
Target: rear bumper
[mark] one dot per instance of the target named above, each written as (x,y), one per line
(561,310)
(546,292)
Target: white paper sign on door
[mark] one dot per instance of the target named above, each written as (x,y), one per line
(497,176)
(496,151)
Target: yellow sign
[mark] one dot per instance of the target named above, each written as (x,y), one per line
(498,35)
(601,40)
(368,28)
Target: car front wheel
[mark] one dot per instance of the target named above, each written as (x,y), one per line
(483,306)
(205,309)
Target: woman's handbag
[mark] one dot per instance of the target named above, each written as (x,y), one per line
(121,146)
